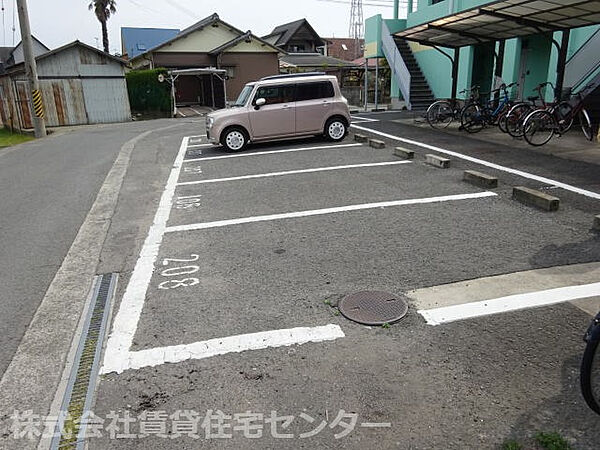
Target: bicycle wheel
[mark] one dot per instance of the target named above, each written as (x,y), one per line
(440,114)
(502,122)
(515,118)
(472,118)
(564,116)
(539,127)
(590,367)
(586,124)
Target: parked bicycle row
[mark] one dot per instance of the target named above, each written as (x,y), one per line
(534,120)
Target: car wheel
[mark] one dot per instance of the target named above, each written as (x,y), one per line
(234,139)
(335,129)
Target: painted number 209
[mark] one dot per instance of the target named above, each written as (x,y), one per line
(179,271)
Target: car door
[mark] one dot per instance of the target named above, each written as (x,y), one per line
(313,105)
(277,117)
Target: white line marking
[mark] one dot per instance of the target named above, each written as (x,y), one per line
(271,152)
(376,425)
(182,114)
(559,184)
(516,302)
(199,145)
(233,344)
(128,316)
(201,136)
(196,111)
(318,212)
(365,119)
(293,172)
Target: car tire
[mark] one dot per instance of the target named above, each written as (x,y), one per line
(234,139)
(335,129)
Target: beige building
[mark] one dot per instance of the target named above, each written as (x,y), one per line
(212,43)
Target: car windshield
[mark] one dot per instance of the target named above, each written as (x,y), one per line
(244,95)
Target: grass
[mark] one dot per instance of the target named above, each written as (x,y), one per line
(552,441)
(546,441)
(512,445)
(8,139)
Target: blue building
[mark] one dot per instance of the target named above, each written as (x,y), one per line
(135,41)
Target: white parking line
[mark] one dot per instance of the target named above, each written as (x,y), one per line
(365,119)
(567,187)
(516,302)
(293,172)
(126,320)
(233,344)
(318,212)
(271,152)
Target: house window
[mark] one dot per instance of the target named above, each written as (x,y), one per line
(433,2)
(141,47)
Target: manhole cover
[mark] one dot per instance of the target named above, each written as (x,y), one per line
(373,307)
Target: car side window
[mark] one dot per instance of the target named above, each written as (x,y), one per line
(313,91)
(283,93)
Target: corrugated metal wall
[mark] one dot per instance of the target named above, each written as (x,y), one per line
(79,86)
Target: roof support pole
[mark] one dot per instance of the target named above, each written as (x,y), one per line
(366,84)
(455,63)
(499,66)
(376,83)
(396,8)
(562,62)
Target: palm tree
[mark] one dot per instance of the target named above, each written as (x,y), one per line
(103,10)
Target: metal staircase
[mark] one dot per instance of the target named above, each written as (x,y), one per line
(420,92)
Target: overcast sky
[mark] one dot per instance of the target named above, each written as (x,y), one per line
(58,22)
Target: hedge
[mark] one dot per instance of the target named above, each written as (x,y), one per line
(146,93)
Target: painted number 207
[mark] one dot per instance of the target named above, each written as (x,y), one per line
(177,273)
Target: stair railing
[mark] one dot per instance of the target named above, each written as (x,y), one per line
(394,58)
(584,62)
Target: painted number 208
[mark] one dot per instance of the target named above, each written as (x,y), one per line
(179,271)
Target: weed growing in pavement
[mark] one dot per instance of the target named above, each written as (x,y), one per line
(385,325)
(512,445)
(552,441)
(327,302)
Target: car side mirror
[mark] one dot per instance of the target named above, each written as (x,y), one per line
(260,102)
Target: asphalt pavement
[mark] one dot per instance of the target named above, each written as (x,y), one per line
(226,333)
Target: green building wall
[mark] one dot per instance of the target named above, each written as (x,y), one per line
(541,63)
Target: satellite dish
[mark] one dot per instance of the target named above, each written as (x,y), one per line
(161,78)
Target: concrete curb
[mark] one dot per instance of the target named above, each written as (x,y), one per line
(376,143)
(360,137)
(36,377)
(480,179)
(437,161)
(531,197)
(404,153)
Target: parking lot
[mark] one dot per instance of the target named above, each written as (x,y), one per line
(231,303)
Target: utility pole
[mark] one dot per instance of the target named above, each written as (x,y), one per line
(31,71)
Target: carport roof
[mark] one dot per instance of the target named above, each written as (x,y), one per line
(504,19)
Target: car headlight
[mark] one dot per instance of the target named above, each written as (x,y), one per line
(209,122)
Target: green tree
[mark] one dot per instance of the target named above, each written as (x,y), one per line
(103,10)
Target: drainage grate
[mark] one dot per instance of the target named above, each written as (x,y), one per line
(373,307)
(82,381)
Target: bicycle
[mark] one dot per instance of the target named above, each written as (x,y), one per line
(590,366)
(518,113)
(476,115)
(542,124)
(442,113)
